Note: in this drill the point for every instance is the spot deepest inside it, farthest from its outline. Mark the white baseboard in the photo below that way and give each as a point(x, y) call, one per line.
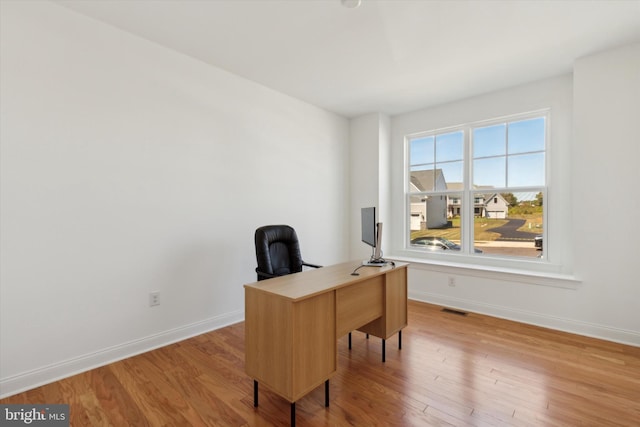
point(47, 374)
point(561, 324)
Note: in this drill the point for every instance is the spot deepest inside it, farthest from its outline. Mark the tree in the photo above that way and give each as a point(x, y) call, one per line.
point(510, 198)
point(539, 199)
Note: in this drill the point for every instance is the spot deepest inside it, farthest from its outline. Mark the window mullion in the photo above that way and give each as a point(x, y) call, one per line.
point(467, 196)
point(506, 157)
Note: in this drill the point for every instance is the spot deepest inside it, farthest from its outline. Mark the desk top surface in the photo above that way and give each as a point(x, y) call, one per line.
point(312, 282)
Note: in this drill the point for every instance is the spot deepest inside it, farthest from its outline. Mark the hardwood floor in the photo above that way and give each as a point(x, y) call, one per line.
point(455, 370)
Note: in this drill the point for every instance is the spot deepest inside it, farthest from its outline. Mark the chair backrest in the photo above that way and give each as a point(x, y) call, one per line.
point(278, 250)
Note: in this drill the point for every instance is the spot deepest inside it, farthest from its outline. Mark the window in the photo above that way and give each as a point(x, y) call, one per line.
point(479, 189)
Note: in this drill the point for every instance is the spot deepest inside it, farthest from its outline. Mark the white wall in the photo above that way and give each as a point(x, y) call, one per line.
point(605, 188)
point(369, 177)
point(128, 168)
point(594, 177)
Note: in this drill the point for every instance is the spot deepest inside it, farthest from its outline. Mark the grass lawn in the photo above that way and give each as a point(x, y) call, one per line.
point(482, 228)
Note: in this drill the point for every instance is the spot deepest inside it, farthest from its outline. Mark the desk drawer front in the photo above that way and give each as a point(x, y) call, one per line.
point(359, 304)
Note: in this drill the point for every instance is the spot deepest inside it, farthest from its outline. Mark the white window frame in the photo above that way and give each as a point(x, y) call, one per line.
point(468, 195)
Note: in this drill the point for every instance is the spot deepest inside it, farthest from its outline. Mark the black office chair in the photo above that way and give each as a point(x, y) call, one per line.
point(278, 252)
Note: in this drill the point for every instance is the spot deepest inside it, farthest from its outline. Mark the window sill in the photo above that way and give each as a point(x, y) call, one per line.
point(543, 278)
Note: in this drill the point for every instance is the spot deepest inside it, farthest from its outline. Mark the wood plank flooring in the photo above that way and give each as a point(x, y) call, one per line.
point(452, 370)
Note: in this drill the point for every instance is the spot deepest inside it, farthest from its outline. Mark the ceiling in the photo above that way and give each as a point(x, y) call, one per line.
point(388, 56)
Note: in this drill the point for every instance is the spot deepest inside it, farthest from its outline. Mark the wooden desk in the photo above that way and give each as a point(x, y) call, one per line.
point(292, 322)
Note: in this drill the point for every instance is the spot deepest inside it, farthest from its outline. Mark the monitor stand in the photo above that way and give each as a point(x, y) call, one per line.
point(375, 263)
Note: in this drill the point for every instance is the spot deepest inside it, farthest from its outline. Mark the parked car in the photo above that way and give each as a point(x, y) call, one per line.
point(438, 243)
point(537, 242)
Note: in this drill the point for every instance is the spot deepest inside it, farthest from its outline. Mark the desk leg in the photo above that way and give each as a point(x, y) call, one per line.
point(255, 393)
point(293, 414)
point(349, 340)
point(326, 393)
point(399, 345)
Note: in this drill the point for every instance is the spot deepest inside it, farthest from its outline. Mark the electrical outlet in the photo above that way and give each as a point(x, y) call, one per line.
point(451, 281)
point(154, 299)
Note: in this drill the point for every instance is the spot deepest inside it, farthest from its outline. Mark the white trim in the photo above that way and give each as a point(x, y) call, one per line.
point(544, 278)
point(592, 330)
point(47, 374)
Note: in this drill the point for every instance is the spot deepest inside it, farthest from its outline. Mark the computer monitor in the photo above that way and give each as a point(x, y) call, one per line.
point(372, 236)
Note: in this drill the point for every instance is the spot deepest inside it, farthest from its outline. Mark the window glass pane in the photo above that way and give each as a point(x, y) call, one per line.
point(421, 150)
point(490, 172)
point(490, 141)
point(526, 170)
point(449, 146)
point(510, 227)
point(418, 213)
point(435, 222)
point(424, 167)
point(526, 136)
point(452, 172)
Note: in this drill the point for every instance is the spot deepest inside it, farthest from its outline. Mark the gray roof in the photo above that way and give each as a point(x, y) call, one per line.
point(428, 180)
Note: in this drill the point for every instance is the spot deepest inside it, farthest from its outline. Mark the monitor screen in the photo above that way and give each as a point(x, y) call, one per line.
point(369, 226)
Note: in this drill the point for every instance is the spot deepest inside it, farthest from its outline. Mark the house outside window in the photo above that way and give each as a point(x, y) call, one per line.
point(480, 186)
